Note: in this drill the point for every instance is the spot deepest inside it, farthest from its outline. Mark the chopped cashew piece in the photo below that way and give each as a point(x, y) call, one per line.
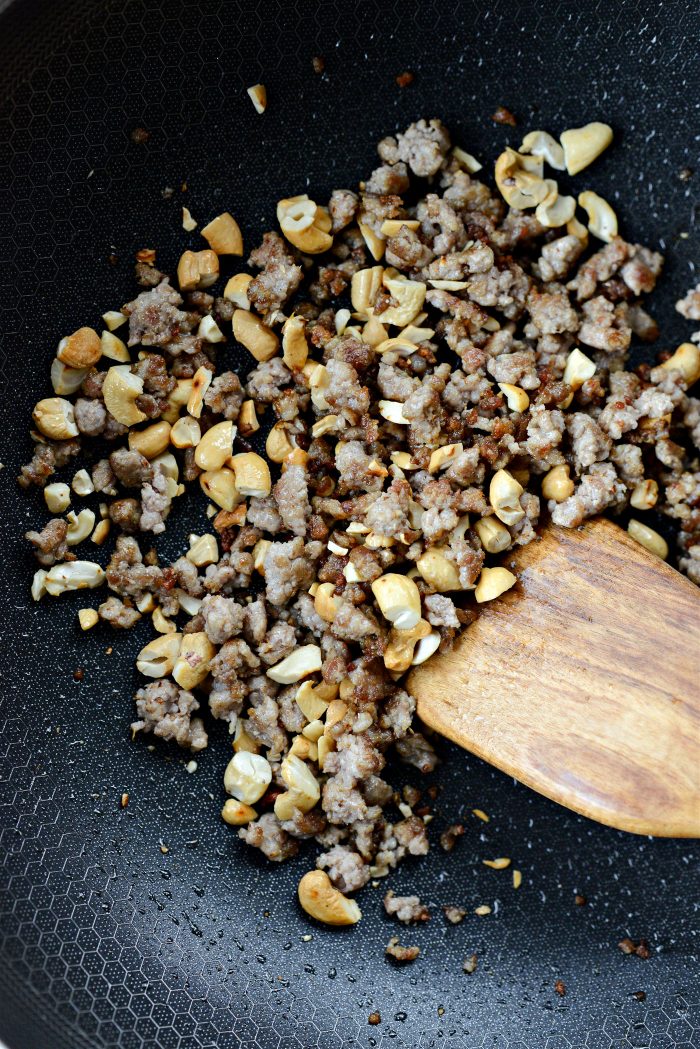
point(216, 446)
point(303, 661)
point(557, 484)
point(391, 227)
point(438, 571)
point(651, 540)
point(443, 457)
point(248, 419)
point(392, 411)
point(209, 330)
point(192, 664)
point(120, 389)
point(494, 536)
point(197, 269)
point(410, 296)
point(38, 588)
point(185, 433)
point(685, 360)
point(251, 332)
point(602, 220)
point(583, 144)
point(516, 398)
point(55, 418)
point(188, 223)
point(278, 445)
point(161, 623)
point(236, 290)
point(237, 813)
point(223, 235)
point(519, 179)
point(101, 531)
point(114, 319)
point(247, 776)
point(79, 526)
point(66, 380)
point(152, 441)
point(645, 495)
point(82, 349)
point(504, 496)
point(114, 348)
point(88, 618)
point(398, 654)
point(398, 598)
point(57, 497)
point(426, 647)
point(310, 702)
point(295, 349)
point(258, 96)
point(364, 288)
point(468, 162)
point(303, 791)
point(220, 487)
point(201, 381)
point(492, 583)
point(555, 211)
point(157, 658)
point(252, 474)
point(578, 369)
point(324, 602)
point(542, 144)
point(204, 550)
point(322, 901)
point(82, 483)
point(374, 241)
point(73, 575)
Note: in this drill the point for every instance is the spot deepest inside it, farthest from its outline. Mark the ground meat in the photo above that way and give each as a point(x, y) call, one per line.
point(588, 442)
point(50, 545)
point(47, 458)
point(90, 416)
point(155, 502)
point(417, 751)
point(388, 515)
point(280, 277)
point(440, 611)
point(280, 641)
point(641, 269)
point(351, 624)
point(287, 570)
point(406, 250)
point(599, 488)
point(130, 468)
point(389, 178)
point(558, 256)
point(166, 711)
point(422, 146)
point(454, 915)
point(346, 869)
point(154, 372)
point(268, 835)
point(103, 478)
point(225, 395)
point(291, 495)
point(550, 310)
point(155, 320)
point(342, 207)
point(604, 326)
point(263, 514)
point(265, 383)
point(255, 621)
point(405, 909)
point(598, 268)
point(400, 953)
point(127, 574)
point(222, 618)
point(353, 465)
point(544, 435)
point(689, 307)
point(344, 392)
point(118, 614)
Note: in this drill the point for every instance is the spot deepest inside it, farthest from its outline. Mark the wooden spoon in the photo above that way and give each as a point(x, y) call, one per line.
point(583, 681)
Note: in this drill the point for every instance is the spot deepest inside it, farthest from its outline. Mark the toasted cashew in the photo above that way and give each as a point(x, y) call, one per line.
point(583, 144)
point(157, 658)
point(192, 665)
point(322, 901)
point(55, 418)
point(223, 235)
point(120, 389)
point(82, 349)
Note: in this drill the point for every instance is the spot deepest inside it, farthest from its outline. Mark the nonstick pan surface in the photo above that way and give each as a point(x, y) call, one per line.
point(105, 941)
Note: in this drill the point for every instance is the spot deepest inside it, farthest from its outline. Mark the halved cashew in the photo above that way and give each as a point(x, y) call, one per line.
point(114, 348)
point(192, 664)
point(247, 776)
point(57, 497)
point(101, 531)
point(216, 446)
point(426, 647)
point(303, 791)
point(441, 458)
point(398, 654)
point(88, 618)
point(298, 212)
point(504, 496)
point(203, 550)
point(237, 813)
point(398, 598)
point(223, 235)
point(410, 296)
point(448, 285)
point(161, 623)
point(82, 349)
point(79, 526)
point(374, 241)
point(236, 290)
point(602, 220)
point(73, 575)
point(305, 660)
point(312, 240)
point(399, 344)
point(577, 229)
point(64, 379)
point(493, 535)
point(519, 179)
point(157, 658)
point(209, 330)
point(120, 390)
point(516, 398)
point(185, 433)
point(248, 418)
point(319, 380)
point(648, 538)
point(325, 425)
point(392, 411)
point(251, 332)
point(322, 901)
point(438, 571)
point(583, 144)
point(278, 445)
point(542, 144)
point(555, 211)
point(295, 349)
point(252, 474)
point(55, 418)
point(685, 360)
point(201, 381)
point(82, 483)
point(492, 583)
point(342, 319)
point(114, 319)
point(578, 369)
point(391, 227)
point(190, 605)
point(310, 701)
point(220, 487)
point(258, 96)
point(152, 441)
point(364, 288)
point(325, 603)
point(467, 161)
point(197, 269)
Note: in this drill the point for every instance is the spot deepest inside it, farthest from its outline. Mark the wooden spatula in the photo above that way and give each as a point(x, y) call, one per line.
point(583, 681)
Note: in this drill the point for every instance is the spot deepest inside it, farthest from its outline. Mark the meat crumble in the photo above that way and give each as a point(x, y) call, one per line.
point(486, 349)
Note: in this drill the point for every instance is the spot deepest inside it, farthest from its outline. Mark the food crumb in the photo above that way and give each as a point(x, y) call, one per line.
point(400, 953)
point(481, 815)
point(685, 174)
point(517, 878)
point(167, 192)
point(560, 988)
point(448, 838)
point(503, 116)
point(441, 1010)
point(454, 914)
point(373, 1019)
point(469, 965)
point(638, 947)
point(318, 63)
point(306, 937)
point(139, 136)
point(499, 864)
point(405, 78)
point(164, 848)
point(482, 909)
point(78, 674)
point(124, 800)
point(639, 996)
point(188, 223)
point(580, 900)
point(191, 767)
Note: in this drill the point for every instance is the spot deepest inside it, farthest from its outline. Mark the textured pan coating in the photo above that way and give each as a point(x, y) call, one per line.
point(106, 941)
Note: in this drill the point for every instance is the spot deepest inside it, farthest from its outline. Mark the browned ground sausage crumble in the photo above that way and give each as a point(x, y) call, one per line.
point(502, 301)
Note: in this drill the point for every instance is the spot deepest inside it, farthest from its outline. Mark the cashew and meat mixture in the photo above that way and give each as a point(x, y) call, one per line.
point(437, 374)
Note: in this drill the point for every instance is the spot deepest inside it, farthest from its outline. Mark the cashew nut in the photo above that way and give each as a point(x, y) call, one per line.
point(157, 658)
point(322, 901)
point(152, 441)
point(55, 418)
point(252, 474)
point(251, 332)
point(438, 571)
point(542, 144)
point(583, 144)
point(57, 497)
point(398, 598)
point(197, 269)
point(185, 433)
point(216, 446)
point(364, 288)
point(410, 296)
point(258, 96)
point(82, 349)
point(519, 179)
point(114, 348)
point(64, 379)
point(305, 660)
point(685, 360)
point(223, 235)
point(236, 290)
point(79, 526)
point(492, 583)
point(247, 776)
point(493, 535)
point(295, 349)
point(398, 654)
point(504, 496)
point(602, 220)
point(192, 664)
point(120, 390)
